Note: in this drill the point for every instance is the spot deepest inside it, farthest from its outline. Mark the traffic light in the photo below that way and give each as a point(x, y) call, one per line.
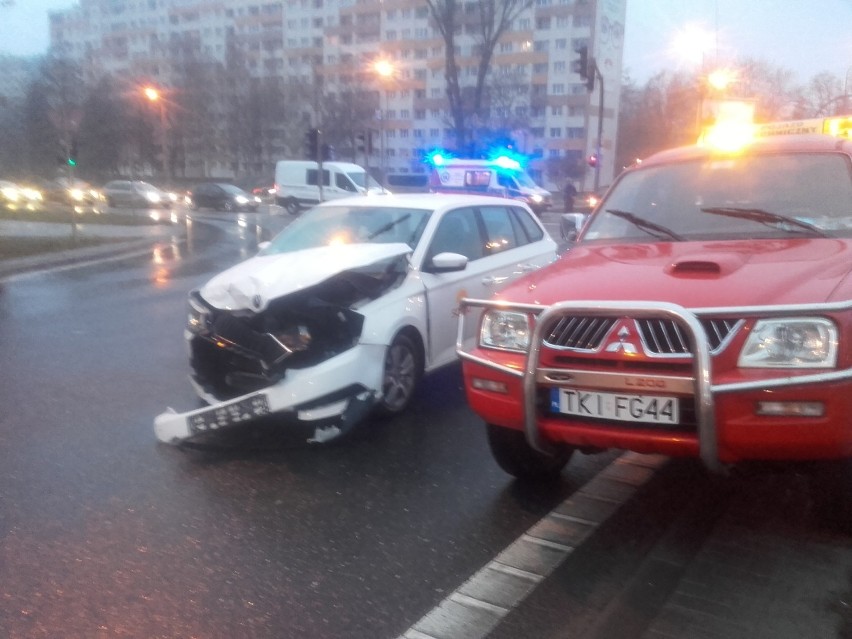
point(361, 142)
point(312, 137)
point(327, 152)
point(72, 154)
point(593, 160)
point(585, 67)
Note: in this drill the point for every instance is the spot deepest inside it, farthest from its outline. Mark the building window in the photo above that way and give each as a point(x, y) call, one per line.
point(555, 132)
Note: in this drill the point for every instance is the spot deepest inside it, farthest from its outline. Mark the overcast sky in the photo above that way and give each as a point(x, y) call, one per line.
point(801, 35)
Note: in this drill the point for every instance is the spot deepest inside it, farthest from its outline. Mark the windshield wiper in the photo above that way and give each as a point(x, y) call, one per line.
point(387, 227)
point(767, 218)
point(651, 228)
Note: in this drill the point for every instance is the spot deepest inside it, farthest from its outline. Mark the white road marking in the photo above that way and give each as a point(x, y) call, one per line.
point(476, 607)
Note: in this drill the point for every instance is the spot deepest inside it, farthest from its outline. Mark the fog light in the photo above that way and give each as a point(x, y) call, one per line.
point(791, 409)
point(489, 385)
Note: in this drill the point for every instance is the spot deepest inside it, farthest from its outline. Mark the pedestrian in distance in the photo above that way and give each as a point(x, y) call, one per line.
point(570, 192)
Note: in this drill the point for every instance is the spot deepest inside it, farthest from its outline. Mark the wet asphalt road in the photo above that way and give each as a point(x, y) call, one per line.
point(106, 533)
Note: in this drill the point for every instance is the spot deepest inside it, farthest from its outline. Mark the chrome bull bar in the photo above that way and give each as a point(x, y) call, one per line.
point(701, 380)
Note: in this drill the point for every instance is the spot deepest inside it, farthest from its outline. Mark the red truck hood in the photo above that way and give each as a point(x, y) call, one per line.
point(695, 274)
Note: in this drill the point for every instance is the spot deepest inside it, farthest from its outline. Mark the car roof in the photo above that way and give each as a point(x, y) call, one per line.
point(422, 200)
point(765, 145)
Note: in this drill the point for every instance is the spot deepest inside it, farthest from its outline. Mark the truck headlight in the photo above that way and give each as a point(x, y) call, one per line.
point(796, 342)
point(506, 330)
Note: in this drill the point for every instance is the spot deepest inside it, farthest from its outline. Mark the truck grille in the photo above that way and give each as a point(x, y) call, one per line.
point(659, 336)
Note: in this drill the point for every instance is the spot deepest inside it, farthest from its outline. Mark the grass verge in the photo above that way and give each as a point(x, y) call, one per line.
point(11, 248)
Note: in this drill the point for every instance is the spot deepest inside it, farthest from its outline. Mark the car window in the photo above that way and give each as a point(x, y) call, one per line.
point(531, 230)
point(458, 232)
point(499, 228)
point(344, 183)
point(312, 174)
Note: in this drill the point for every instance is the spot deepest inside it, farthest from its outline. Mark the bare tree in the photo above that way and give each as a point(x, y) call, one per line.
point(488, 20)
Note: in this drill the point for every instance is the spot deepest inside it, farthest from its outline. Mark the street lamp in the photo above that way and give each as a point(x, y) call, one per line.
point(154, 96)
point(385, 70)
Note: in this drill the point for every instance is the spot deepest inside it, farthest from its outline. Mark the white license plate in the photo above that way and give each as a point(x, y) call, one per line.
point(623, 407)
point(229, 414)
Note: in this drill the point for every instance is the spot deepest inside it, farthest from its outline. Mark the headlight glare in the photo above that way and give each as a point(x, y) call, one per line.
point(801, 342)
point(506, 330)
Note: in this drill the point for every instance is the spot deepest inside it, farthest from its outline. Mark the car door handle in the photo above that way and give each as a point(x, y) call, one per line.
point(491, 280)
point(526, 268)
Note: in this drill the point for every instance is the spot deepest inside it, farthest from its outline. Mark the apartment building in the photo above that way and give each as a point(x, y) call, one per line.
point(536, 94)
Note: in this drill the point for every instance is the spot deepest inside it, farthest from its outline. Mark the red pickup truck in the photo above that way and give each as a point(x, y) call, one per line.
point(705, 310)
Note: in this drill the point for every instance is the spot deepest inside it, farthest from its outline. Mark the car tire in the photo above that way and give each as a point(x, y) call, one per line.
point(292, 205)
point(403, 369)
point(513, 454)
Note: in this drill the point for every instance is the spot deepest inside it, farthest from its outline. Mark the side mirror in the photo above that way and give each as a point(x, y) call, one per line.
point(447, 263)
point(570, 225)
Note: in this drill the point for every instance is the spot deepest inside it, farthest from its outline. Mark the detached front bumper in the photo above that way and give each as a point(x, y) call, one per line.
point(332, 397)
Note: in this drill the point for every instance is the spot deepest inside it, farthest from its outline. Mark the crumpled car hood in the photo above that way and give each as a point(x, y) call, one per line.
point(252, 284)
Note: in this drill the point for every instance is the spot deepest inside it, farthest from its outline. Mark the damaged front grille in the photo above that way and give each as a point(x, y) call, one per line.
point(233, 353)
point(659, 336)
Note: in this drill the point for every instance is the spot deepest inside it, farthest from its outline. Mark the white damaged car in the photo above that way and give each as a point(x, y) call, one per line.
point(342, 312)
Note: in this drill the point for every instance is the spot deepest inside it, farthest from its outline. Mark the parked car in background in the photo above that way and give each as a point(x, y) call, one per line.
point(135, 193)
point(344, 310)
point(72, 191)
point(266, 192)
point(221, 196)
point(18, 196)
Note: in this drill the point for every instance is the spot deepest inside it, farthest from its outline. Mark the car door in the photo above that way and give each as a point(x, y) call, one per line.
point(500, 246)
point(207, 196)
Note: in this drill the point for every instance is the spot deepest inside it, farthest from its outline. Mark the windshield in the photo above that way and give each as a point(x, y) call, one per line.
point(524, 179)
point(762, 196)
point(233, 190)
point(329, 225)
point(358, 177)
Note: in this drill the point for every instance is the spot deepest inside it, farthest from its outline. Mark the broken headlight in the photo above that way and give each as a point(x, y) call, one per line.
point(198, 316)
point(293, 339)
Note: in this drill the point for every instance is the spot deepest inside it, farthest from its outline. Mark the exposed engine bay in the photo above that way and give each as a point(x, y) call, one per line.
point(234, 352)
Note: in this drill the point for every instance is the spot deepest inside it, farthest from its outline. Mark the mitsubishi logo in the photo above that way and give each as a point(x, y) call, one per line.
point(622, 345)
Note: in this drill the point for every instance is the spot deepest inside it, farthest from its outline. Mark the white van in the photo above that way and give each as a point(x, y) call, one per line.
point(501, 177)
point(297, 186)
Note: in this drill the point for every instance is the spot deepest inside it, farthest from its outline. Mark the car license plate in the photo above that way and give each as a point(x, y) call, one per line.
point(617, 406)
point(229, 414)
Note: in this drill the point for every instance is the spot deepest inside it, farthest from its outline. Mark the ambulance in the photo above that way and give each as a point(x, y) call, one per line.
point(501, 177)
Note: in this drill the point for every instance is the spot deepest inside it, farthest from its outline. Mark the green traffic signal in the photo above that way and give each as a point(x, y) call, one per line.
point(72, 162)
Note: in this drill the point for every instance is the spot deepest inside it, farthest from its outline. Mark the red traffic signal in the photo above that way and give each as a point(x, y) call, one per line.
point(593, 160)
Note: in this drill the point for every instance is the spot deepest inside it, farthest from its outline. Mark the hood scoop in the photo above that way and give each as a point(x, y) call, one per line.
point(700, 267)
point(707, 264)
